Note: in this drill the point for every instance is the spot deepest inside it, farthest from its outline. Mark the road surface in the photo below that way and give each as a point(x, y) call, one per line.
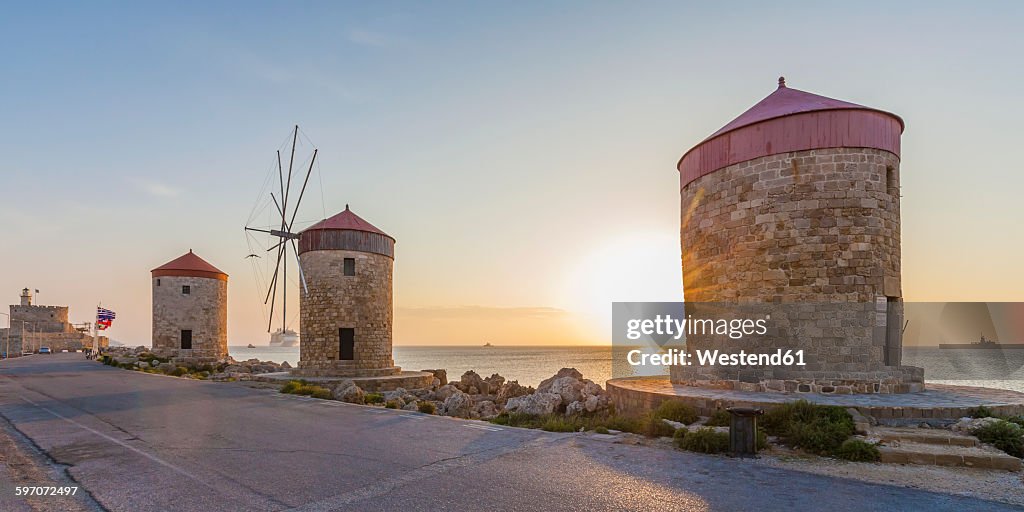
point(140, 442)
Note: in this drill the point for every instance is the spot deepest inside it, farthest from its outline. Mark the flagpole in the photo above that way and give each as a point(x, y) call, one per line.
point(96, 330)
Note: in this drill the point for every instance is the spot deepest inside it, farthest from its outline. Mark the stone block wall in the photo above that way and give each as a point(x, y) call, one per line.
point(333, 301)
point(810, 227)
point(204, 311)
point(41, 318)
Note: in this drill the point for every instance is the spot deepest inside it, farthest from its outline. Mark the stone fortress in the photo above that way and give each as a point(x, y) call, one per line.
point(33, 326)
point(797, 202)
point(190, 310)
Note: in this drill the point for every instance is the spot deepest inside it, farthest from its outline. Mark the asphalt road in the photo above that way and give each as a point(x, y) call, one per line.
point(140, 442)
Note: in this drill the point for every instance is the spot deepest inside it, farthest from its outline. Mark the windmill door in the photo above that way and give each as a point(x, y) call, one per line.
point(347, 337)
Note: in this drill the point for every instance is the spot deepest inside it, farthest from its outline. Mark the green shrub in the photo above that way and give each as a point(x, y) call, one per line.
point(426, 407)
point(676, 411)
point(519, 419)
point(1018, 420)
point(374, 398)
point(1007, 436)
point(819, 429)
point(321, 393)
point(721, 418)
point(624, 424)
point(555, 423)
point(291, 386)
point(601, 429)
point(761, 439)
point(179, 371)
point(705, 440)
point(857, 450)
point(391, 404)
point(653, 426)
point(678, 436)
point(983, 412)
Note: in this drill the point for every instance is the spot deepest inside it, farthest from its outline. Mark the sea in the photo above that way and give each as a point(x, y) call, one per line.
point(530, 365)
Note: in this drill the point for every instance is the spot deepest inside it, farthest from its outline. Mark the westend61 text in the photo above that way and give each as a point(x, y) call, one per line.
point(674, 356)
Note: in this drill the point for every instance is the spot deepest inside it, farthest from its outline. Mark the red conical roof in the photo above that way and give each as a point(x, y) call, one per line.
point(346, 220)
point(189, 265)
point(786, 101)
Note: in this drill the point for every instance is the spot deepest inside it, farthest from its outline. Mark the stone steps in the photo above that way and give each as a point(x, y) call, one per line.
point(940, 437)
point(926, 454)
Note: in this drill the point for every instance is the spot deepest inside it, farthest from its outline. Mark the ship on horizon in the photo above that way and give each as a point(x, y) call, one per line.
point(284, 338)
point(982, 343)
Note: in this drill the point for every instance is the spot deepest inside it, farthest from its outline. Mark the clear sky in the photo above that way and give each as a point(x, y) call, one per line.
point(523, 154)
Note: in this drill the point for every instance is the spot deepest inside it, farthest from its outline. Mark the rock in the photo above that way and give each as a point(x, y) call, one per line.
point(412, 406)
point(458, 404)
point(441, 375)
point(436, 383)
point(536, 404)
point(398, 393)
point(347, 391)
point(569, 388)
point(235, 368)
point(575, 408)
point(511, 390)
point(494, 382)
point(485, 410)
point(591, 388)
point(545, 385)
point(285, 366)
point(861, 424)
point(167, 367)
point(595, 403)
point(969, 425)
point(473, 384)
point(445, 391)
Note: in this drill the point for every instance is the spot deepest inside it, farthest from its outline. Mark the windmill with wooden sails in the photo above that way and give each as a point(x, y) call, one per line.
point(282, 236)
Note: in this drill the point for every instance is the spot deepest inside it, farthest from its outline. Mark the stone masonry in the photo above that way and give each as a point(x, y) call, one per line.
point(203, 311)
point(333, 301)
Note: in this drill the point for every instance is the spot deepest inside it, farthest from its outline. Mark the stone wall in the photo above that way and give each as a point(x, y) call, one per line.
point(57, 341)
point(810, 227)
point(41, 318)
point(204, 311)
point(334, 301)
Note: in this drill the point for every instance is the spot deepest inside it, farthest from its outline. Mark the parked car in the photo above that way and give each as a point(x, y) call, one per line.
point(44, 350)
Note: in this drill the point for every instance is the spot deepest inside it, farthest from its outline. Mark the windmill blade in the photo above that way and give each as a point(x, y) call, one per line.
point(273, 280)
point(302, 192)
point(298, 263)
point(280, 174)
point(291, 162)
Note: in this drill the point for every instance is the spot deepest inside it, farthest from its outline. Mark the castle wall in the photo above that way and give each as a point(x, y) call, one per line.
point(334, 301)
point(41, 318)
point(203, 311)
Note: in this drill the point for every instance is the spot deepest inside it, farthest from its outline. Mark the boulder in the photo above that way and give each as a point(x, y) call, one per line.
point(511, 390)
point(473, 384)
point(398, 393)
point(591, 388)
point(458, 404)
point(569, 388)
point(412, 406)
point(485, 410)
point(285, 366)
point(545, 385)
point(575, 408)
point(969, 425)
point(440, 375)
point(494, 382)
point(347, 391)
point(445, 391)
point(166, 367)
point(536, 404)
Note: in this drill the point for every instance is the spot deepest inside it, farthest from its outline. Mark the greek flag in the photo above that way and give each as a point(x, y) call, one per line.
point(104, 317)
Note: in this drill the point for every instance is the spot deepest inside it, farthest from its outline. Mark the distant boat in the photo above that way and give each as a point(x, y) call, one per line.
point(983, 343)
point(487, 345)
point(284, 338)
point(250, 346)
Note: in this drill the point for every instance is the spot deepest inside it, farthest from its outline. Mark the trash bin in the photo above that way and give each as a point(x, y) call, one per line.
point(743, 430)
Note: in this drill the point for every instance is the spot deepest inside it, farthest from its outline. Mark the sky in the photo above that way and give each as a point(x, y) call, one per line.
point(522, 154)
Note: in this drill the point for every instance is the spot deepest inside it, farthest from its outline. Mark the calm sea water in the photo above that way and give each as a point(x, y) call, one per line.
point(530, 365)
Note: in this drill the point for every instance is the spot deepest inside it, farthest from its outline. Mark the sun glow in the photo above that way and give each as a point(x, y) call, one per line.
point(640, 267)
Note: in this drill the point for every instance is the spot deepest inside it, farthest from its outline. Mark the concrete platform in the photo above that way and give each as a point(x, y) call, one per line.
point(405, 379)
point(938, 405)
